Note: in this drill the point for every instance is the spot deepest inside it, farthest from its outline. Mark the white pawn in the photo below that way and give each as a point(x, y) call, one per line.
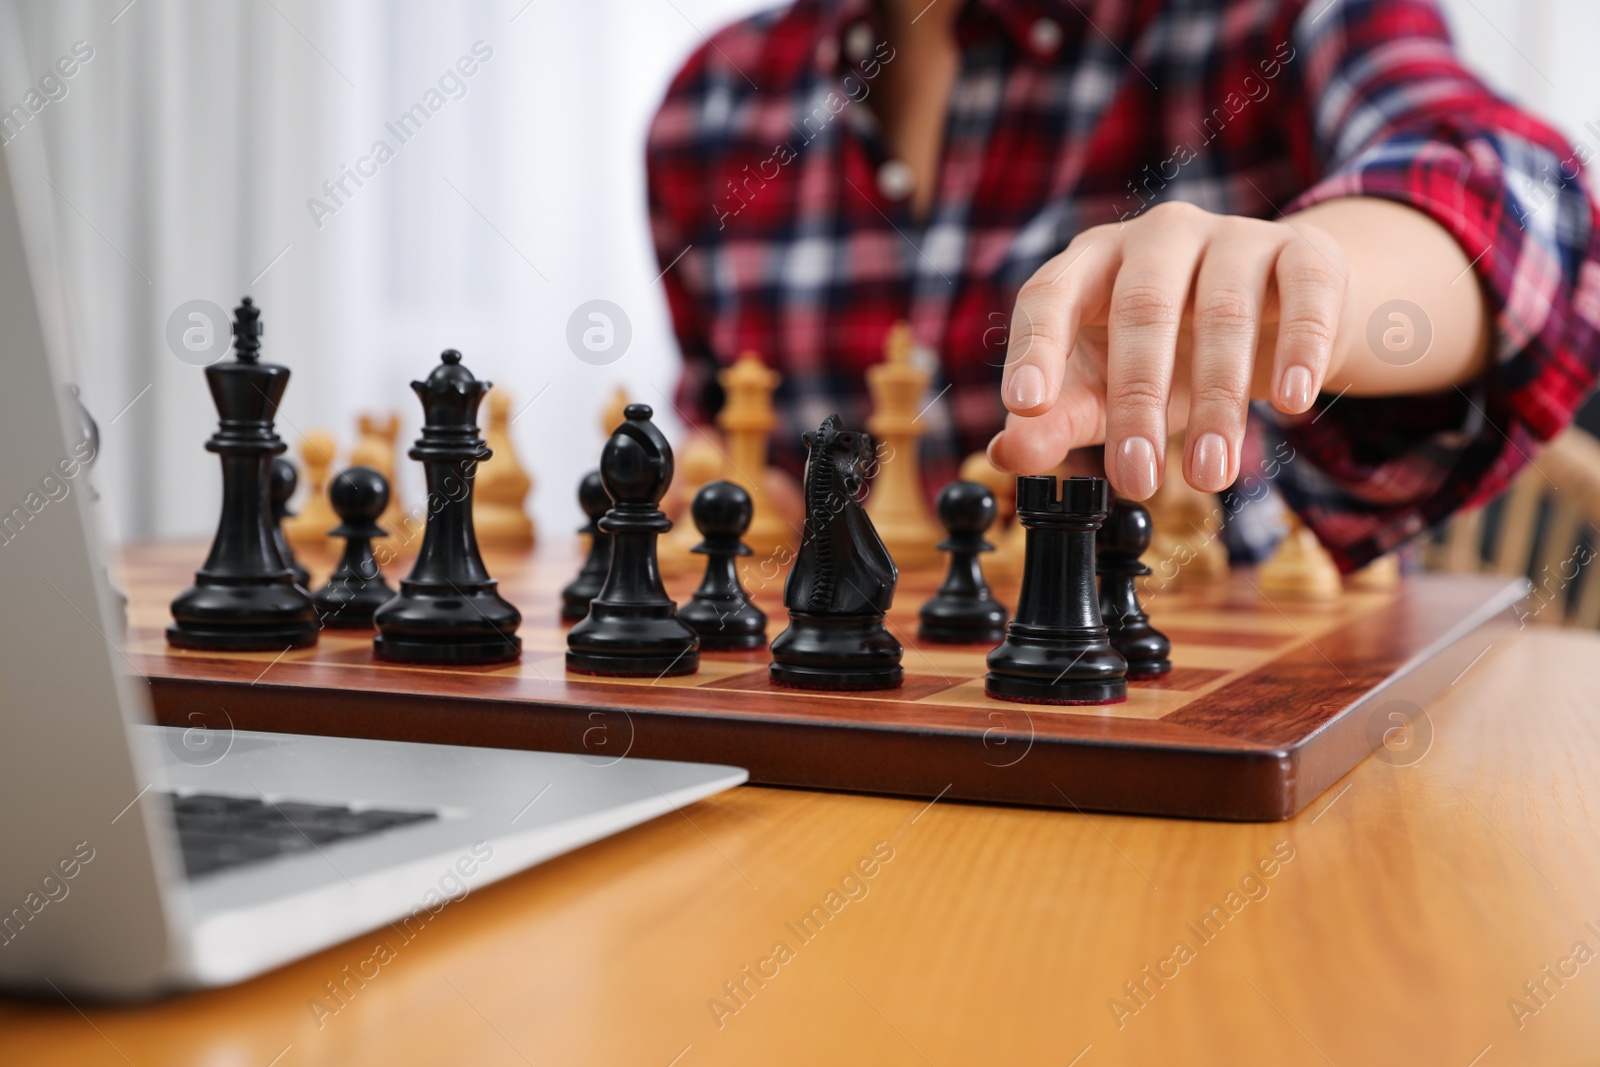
point(1300, 568)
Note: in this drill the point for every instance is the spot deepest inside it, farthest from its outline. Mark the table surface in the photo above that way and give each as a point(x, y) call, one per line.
point(1404, 912)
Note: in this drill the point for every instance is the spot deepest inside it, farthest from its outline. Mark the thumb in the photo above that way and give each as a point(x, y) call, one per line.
point(1038, 444)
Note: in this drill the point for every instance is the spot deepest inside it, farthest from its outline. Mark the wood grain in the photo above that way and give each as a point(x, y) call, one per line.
point(1420, 897)
point(1268, 704)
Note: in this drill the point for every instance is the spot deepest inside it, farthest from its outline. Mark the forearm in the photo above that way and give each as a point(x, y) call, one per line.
point(1397, 253)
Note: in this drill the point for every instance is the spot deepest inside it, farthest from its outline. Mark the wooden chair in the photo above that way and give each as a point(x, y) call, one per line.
point(1545, 527)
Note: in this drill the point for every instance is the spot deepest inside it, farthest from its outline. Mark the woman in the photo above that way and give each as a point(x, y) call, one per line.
point(1115, 219)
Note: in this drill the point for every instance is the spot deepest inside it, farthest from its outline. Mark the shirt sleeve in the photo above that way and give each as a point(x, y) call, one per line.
point(1386, 109)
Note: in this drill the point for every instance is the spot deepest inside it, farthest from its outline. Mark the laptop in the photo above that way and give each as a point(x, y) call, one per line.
point(137, 859)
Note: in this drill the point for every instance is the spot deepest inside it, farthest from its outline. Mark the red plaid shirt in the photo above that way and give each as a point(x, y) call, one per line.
point(782, 224)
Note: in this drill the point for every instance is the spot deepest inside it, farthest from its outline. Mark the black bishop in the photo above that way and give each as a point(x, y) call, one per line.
point(633, 629)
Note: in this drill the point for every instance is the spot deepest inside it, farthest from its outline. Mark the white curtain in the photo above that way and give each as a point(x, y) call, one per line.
point(1539, 53)
point(182, 153)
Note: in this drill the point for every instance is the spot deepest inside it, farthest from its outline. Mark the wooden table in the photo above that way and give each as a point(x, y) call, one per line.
point(1421, 895)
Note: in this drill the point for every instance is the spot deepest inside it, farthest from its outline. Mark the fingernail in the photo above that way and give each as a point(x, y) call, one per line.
point(1027, 387)
point(1136, 468)
point(1210, 462)
point(1296, 388)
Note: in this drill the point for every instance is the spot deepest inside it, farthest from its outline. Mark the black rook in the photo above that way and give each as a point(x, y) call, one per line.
point(1057, 650)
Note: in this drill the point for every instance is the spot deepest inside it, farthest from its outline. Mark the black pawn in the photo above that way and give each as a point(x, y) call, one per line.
point(633, 629)
point(448, 609)
point(595, 501)
point(1057, 650)
point(963, 611)
point(720, 610)
point(1119, 544)
point(843, 579)
point(356, 588)
point(284, 481)
point(245, 597)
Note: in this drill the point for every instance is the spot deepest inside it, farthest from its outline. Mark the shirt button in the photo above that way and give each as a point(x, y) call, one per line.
point(1045, 36)
point(858, 42)
point(895, 180)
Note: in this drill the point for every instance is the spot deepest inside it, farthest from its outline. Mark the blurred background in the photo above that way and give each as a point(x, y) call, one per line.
point(195, 155)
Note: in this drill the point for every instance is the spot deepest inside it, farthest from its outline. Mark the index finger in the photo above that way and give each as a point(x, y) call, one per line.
point(1050, 307)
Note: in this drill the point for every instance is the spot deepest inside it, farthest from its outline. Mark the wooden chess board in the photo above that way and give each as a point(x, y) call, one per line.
point(1268, 703)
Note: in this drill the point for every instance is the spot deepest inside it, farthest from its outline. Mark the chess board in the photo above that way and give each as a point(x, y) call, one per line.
point(1268, 703)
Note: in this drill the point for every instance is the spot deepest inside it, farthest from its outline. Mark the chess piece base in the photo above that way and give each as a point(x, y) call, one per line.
point(243, 618)
point(720, 610)
point(350, 606)
point(955, 634)
point(221, 638)
point(627, 665)
point(1020, 691)
point(731, 642)
point(632, 641)
point(421, 627)
point(1079, 668)
point(836, 677)
point(1144, 647)
point(725, 623)
point(462, 653)
point(953, 620)
point(836, 652)
point(346, 621)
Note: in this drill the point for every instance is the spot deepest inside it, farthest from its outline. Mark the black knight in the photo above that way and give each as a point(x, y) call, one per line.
point(843, 579)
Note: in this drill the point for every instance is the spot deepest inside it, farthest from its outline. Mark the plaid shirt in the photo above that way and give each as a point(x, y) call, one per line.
point(783, 226)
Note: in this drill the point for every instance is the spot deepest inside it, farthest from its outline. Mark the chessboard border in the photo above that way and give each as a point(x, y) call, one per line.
point(1079, 763)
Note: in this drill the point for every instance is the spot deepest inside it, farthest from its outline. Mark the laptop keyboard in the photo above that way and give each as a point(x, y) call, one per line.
point(220, 832)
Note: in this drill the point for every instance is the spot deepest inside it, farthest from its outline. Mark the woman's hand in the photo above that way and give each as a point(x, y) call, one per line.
point(1175, 319)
